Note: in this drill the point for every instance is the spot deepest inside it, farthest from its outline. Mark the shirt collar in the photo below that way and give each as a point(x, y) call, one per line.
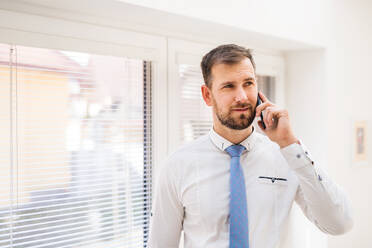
point(223, 143)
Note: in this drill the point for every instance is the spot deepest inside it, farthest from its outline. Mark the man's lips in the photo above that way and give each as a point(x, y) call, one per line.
point(240, 109)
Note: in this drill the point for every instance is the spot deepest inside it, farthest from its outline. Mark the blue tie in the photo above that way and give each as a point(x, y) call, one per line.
point(238, 200)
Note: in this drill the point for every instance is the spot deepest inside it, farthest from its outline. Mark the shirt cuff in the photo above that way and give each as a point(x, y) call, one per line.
point(297, 156)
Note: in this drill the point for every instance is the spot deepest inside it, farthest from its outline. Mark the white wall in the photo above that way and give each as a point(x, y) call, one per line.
point(349, 54)
point(293, 19)
point(306, 99)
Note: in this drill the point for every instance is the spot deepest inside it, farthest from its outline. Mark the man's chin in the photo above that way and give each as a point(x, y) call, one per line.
point(239, 128)
point(236, 122)
point(239, 125)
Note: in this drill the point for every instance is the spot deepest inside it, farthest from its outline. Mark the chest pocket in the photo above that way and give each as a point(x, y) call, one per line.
point(274, 189)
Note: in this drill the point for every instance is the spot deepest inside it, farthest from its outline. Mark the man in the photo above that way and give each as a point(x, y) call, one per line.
point(235, 187)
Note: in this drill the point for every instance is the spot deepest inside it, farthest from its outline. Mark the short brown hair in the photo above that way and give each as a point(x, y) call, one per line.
point(224, 54)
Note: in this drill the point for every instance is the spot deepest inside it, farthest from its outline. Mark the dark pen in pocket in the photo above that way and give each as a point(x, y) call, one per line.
point(273, 179)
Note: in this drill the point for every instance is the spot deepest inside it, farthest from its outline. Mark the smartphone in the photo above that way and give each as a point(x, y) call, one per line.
point(259, 101)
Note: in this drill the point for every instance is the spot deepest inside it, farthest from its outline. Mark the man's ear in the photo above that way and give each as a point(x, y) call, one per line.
point(207, 94)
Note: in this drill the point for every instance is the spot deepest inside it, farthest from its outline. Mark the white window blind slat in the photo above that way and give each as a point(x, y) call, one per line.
point(83, 146)
point(79, 194)
point(97, 193)
point(86, 160)
point(79, 210)
point(65, 206)
point(71, 219)
point(76, 238)
point(87, 172)
point(57, 186)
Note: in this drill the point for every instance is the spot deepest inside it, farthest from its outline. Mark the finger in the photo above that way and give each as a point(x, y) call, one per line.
point(268, 116)
point(263, 97)
point(271, 115)
point(262, 107)
point(275, 115)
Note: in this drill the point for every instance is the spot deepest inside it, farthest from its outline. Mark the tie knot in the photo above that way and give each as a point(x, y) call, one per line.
point(235, 150)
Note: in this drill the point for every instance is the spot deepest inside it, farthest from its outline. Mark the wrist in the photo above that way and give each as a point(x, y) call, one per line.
point(287, 142)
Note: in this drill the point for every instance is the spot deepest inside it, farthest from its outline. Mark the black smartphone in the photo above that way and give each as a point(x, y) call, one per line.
point(259, 101)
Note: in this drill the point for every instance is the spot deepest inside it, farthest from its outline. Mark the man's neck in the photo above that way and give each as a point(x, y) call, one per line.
point(232, 135)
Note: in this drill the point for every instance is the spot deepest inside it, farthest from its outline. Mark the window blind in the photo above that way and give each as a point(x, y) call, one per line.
point(75, 149)
point(196, 117)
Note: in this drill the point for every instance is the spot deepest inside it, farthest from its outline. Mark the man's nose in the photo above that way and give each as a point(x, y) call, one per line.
point(240, 95)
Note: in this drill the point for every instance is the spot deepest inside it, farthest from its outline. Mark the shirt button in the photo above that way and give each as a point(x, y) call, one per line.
point(298, 156)
point(306, 153)
point(320, 178)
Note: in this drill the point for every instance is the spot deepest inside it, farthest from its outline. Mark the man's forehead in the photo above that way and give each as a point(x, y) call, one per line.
point(241, 69)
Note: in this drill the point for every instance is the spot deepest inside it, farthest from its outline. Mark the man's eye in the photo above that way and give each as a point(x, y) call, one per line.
point(228, 86)
point(249, 83)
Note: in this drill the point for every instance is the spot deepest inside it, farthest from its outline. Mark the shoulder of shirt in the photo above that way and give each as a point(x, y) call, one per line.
point(187, 153)
point(263, 140)
point(192, 147)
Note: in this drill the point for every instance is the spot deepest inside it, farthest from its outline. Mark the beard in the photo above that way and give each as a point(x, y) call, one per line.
point(243, 121)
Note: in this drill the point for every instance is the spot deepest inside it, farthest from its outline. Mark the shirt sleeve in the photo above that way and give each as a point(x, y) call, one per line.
point(167, 212)
point(323, 202)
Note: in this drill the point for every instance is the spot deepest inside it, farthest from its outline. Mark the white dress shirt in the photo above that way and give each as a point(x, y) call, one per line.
point(192, 193)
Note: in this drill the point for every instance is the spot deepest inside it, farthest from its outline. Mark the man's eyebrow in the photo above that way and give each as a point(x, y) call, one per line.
point(232, 82)
point(249, 79)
